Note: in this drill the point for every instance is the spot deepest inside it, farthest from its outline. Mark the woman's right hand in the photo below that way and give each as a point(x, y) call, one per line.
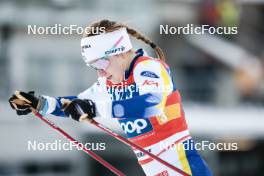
point(23, 102)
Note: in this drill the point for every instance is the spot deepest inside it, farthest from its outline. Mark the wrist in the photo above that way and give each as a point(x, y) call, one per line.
point(42, 106)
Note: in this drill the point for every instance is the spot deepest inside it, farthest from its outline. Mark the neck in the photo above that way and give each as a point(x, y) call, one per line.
point(129, 58)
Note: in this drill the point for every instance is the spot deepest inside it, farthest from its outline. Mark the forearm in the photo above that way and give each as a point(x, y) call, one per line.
point(53, 105)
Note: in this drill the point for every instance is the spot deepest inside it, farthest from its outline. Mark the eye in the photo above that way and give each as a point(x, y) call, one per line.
point(100, 64)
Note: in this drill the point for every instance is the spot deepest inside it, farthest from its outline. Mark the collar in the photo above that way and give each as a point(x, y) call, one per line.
point(139, 53)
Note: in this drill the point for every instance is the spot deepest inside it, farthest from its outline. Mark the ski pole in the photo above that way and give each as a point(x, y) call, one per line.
point(92, 154)
point(66, 135)
point(131, 144)
point(83, 117)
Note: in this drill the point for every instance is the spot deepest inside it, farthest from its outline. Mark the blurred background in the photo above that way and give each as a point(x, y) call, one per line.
point(220, 78)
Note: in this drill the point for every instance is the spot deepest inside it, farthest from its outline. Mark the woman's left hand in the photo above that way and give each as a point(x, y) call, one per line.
point(80, 110)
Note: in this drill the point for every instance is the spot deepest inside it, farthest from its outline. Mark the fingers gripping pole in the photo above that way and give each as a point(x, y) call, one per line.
point(92, 154)
point(124, 140)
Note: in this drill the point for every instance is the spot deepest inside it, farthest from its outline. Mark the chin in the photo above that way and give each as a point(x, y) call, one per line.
point(116, 81)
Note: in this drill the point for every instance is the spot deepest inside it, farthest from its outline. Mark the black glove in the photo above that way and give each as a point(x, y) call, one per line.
point(80, 109)
point(22, 102)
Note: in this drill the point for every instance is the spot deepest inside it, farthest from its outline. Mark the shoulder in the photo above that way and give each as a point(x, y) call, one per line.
point(149, 67)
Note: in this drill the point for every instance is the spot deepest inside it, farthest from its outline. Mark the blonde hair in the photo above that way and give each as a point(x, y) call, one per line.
point(111, 26)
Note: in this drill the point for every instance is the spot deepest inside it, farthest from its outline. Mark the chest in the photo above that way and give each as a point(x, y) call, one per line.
point(122, 91)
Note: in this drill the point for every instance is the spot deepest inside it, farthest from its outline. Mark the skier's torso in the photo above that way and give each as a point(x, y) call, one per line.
point(154, 132)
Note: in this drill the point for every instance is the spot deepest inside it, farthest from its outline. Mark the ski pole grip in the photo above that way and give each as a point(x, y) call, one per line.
point(65, 104)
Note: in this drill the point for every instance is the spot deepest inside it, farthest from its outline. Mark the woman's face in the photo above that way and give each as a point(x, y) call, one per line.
point(115, 71)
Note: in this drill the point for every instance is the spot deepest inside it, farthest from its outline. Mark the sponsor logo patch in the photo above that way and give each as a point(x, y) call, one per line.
point(149, 83)
point(111, 51)
point(149, 74)
point(135, 127)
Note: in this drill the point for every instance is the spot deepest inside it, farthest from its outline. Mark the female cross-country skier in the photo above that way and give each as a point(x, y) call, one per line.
point(135, 89)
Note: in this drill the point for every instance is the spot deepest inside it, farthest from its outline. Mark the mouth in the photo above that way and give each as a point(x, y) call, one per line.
point(109, 77)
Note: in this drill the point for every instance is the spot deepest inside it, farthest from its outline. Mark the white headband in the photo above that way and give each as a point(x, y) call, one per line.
point(103, 45)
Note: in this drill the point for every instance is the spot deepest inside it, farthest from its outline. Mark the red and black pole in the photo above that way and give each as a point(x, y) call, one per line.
point(89, 152)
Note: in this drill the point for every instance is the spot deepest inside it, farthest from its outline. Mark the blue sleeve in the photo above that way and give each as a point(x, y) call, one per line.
point(58, 111)
point(143, 106)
